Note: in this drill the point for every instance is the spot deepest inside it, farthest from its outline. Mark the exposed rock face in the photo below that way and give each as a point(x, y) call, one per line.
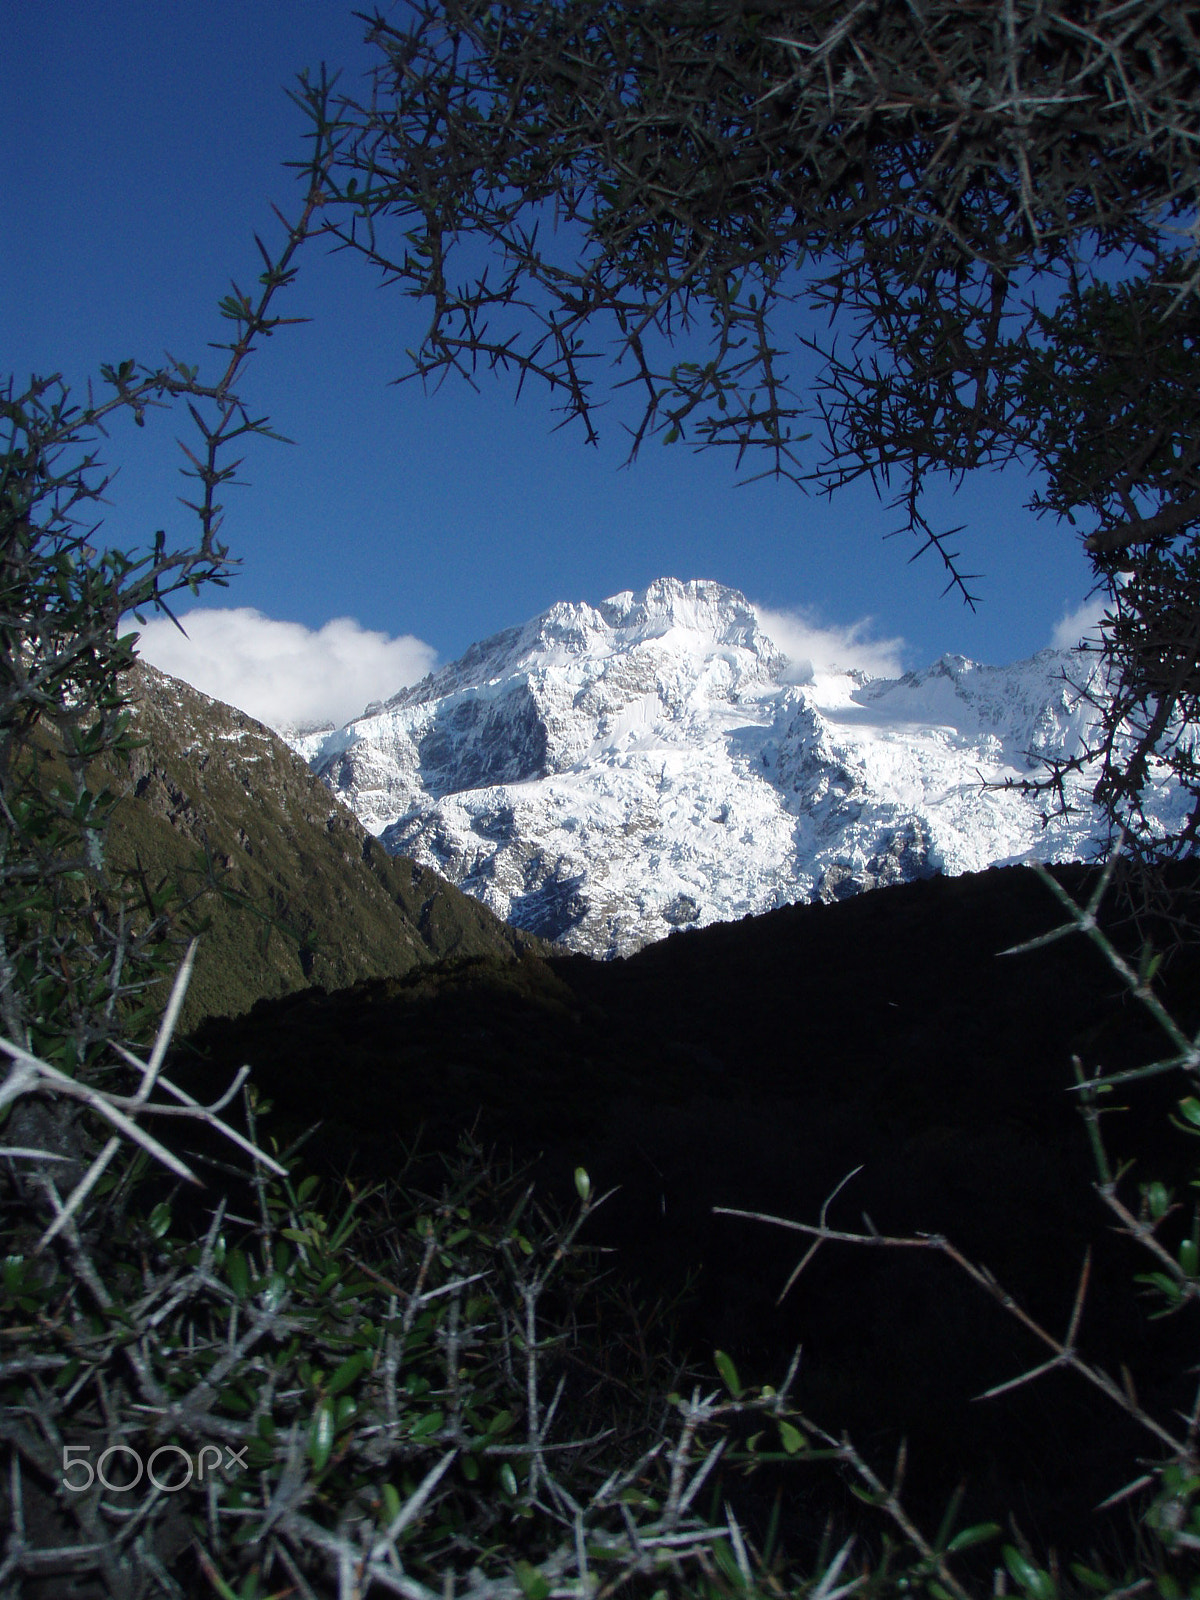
point(605, 774)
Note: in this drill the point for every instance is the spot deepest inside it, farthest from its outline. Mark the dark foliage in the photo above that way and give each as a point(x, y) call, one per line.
point(753, 1066)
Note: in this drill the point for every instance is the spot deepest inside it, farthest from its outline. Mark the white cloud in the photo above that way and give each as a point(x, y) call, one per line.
point(282, 672)
point(1073, 625)
point(811, 648)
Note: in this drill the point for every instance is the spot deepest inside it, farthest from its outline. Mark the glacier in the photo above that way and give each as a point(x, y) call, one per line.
point(606, 774)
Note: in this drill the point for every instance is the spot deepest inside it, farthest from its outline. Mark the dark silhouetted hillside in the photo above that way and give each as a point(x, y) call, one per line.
point(754, 1065)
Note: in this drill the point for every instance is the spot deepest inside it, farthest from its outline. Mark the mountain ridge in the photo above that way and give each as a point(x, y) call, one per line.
point(603, 774)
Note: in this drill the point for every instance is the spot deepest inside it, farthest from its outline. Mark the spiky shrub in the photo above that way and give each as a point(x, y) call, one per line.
point(404, 1393)
point(84, 947)
point(80, 942)
point(1164, 1486)
point(287, 1407)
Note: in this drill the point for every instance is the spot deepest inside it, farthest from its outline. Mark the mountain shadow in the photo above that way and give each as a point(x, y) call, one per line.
point(753, 1066)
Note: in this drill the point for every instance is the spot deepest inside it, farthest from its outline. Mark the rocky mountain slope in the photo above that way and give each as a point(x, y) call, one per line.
point(605, 774)
point(214, 798)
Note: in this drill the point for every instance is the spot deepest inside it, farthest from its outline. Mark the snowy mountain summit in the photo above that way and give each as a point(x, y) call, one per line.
point(605, 774)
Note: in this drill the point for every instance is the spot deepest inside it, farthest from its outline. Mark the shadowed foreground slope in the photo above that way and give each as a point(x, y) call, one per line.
point(753, 1066)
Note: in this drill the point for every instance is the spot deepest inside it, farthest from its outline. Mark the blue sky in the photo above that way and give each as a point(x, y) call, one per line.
point(142, 147)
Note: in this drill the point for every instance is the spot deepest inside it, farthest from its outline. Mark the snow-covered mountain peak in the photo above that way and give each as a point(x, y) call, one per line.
point(670, 609)
point(605, 773)
point(690, 621)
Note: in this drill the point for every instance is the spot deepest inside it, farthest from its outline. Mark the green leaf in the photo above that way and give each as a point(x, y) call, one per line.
point(260, 1455)
point(237, 1273)
point(508, 1479)
point(1162, 1282)
point(727, 1561)
point(1158, 1198)
point(1189, 1110)
point(64, 1378)
point(729, 1373)
point(349, 1370)
point(793, 1439)
point(978, 1534)
point(159, 1220)
point(233, 1399)
point(1035, 1582)
point(583, 1184)
point(273, 1291)
point(321, 1435)
point(1091, 1579)
point(533, 1584)
point(869, 1497)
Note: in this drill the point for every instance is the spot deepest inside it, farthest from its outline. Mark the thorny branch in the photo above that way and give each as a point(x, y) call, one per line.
point(650, 209)
point(1178, 1281)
